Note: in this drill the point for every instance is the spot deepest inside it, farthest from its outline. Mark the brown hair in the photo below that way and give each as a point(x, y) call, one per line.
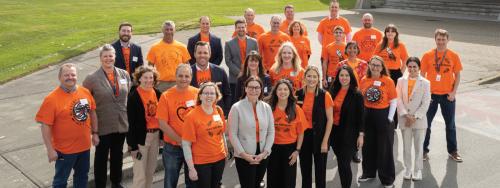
point(384, 71)
point(125, 24)
point(239, 21)
point(441, 32)
point(139, 71)
point(251, 79)
point(302, 27)
point(218, 96)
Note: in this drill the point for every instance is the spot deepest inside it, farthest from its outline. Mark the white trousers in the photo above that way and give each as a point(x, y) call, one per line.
point(416, 136)
point(144, 169)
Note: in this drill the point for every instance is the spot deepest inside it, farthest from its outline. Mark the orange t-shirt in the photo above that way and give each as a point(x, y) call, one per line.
point(441, 82)
point(165, 57)
point(326, 25)
point(150, 103)
point(253, 30)
point(243, 50)
point(257, 132)
point(68, 116)
point(367, 40)
point(269, 44)
point(204, 37)
point(126, 57)
point(287, 132)
point(411, 84)
point(203, 76)
point(307, 106)
point(359, 66)
point(284, 27)
point(337, 105)
point(206, 134)
point(295, 76)
point(113, 82)
point(333, 54)
point(378, 93)
point(400, 55)
point(173, 107)
point(303, 46)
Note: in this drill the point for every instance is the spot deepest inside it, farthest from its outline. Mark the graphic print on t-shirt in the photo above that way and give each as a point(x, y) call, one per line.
point(80, 109)
point(151, 105)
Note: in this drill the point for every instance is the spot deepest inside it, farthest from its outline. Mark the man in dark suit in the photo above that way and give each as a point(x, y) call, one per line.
point(128, 55)
point(204, 71)
point(206, 36)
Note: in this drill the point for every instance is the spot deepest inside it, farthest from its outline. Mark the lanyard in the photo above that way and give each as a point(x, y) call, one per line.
point(439, 61)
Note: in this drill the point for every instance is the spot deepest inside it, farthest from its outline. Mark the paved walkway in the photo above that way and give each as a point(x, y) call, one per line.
point(23, 161)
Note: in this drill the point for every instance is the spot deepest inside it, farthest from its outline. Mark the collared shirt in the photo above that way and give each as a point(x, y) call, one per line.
point(125, 45)
point(68, 90)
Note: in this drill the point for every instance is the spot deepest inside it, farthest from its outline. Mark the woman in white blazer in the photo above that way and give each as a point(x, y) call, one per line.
point(413, 101)
point(251, 132)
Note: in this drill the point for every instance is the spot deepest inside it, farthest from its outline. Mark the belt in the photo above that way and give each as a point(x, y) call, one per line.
point(152, 130)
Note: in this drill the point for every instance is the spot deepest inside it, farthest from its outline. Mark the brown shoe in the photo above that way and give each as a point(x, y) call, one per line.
point(426, 156)
point(456, 157)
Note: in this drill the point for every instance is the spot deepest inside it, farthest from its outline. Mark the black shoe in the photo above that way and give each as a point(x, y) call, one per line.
point(117, 185)
point(356, 158)
point(364, 178)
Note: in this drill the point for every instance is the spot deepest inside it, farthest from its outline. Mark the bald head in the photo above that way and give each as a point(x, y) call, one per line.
point(249, 15)
point(367, 20)
point(275, 23)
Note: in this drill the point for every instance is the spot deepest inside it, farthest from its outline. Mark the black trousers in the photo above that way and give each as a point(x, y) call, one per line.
point(395, 75)
point(109, 145)
point(210, 175)
point(279, 173)
point(307, 155)
point(377, 150)
point(251, 175)
point(345, 152)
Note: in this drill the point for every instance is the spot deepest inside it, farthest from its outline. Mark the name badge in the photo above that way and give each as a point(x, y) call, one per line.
point(265, 89)
point(329, 79)
point(293, 73)
point(134, 58)
point(190, 103)
point(373, 37)
point(218, 83)
point(438, 77)
point(123, 81)
point(377, 83)
point(84, 101)
point(300, 102)
point(217, 117)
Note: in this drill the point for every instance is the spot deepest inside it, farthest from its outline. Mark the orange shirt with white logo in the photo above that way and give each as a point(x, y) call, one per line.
point(442, 81)
point(295, 76)
point(378, 93)
point(400, 54)
point(303, 46)
point(173, 107)
point(333, 54)
point(269, 44)
point(337, 105)
point(367, 40)
point(287, 132)
point(206, 134)
point(150, 103)
point(165, 57)
point(68, 116)
point(307, 106)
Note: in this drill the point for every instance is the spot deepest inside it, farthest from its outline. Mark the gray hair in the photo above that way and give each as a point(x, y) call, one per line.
point(106, 48)
point(65, 65)
point(168, 23)
point(183, 66)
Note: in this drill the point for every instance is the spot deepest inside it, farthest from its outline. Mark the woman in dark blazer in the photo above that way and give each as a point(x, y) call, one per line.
point(144, 135)
point(347, 133)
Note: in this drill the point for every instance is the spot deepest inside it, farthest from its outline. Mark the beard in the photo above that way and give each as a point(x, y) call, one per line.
point(125, 38)
point(367, 25)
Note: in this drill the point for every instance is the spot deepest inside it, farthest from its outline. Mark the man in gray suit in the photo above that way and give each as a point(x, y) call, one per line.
point(235, 52)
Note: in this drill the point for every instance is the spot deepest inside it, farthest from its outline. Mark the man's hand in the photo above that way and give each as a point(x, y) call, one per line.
point(52, 155)
point(95, 139)
point(193, 175)
point(451, 96)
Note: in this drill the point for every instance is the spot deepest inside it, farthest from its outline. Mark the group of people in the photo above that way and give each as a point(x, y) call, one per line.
point(279, 109)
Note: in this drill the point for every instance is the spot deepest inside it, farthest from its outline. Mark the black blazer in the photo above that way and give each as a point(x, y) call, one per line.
point(344, 136)
point(136, 119)
point(219, 77)
point(215, 47)
point(135, 51)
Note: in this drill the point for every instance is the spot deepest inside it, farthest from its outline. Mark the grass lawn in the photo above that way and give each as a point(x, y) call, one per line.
point(38, 33)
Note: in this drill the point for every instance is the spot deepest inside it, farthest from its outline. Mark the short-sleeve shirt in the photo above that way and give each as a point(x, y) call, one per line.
point(400, 54)
point(441, 82)
point(287, 132)
point(326, 25)
point(309, 103)
point(359, 66)
point(68, 116)
point(378, 93)
point(206, 134)
point(150, 103)
point(166, 57)
point(303, 46)
point(333, 54)
point(295, 76)
point(173, 107)
point(367, 40)
point(269, 44)
point(284, 27)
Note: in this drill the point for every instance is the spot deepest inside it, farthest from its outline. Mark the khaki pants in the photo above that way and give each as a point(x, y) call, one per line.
point(164, 85)
point(144, 169)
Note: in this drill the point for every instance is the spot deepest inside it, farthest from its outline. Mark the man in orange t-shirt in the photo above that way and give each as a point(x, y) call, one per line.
point(174, 104)
point(333, 55)
point(289, 18)
point(367, 38)
point(166, 54)
point(326, 25)
point(67, 117)
point(270, 42)
point(253, 29)
point(442, 67)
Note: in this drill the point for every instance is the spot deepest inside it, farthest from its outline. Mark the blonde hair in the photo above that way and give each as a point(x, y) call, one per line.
point(278, 62)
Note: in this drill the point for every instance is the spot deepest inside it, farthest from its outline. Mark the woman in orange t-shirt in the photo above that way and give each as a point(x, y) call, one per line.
point(380, 104)
point(300, 41)
point(393, 51)
point(287, 66)
point(348, 127)
point(203, 141)
point(358, 65)
point(144, 136)
point(289, 120)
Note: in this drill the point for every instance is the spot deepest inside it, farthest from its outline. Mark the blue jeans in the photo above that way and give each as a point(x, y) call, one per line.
point(173, 159)
point(448, 112)
point(79, 162)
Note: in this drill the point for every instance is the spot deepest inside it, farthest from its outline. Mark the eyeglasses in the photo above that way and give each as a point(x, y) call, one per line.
point(209, 93)
point(255, 88)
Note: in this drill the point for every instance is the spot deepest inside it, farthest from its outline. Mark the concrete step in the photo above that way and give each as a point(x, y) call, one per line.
point(467, 8)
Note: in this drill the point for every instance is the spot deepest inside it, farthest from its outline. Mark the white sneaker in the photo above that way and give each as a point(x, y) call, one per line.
point(417, 176)
point(389, 186)
point(407, 175)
